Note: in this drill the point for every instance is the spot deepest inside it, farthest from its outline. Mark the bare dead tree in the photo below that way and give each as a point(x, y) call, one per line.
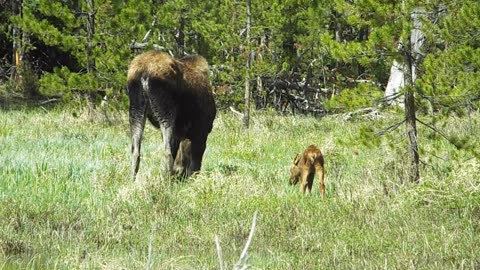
point(16, 10)
point(246, 116)
point(410, 109)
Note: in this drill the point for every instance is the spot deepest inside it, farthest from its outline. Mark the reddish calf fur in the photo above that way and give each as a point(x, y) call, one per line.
point(184, 159)
point(304, 168)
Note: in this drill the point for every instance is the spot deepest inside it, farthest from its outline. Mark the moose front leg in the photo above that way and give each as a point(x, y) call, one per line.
point(320, 171)
point(198, 149)
point(303, 182)
point(171, 146)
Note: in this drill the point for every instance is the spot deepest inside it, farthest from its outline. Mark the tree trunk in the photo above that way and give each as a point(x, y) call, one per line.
point(180, 35)
point(246, 115)
point(90, 34)
point(412, 56)
point(395, 83)
point(410, 117)
point(396, 79)
point(16, 10)
point(91, 67)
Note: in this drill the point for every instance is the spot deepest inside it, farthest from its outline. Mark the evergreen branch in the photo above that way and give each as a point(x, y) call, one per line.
point(443, 135)
point(435, 130)
point(389, 98)
point(434, 156)
point(391, 128)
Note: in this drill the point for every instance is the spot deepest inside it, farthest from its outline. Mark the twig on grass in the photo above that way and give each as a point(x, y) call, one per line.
point(390, 128)
point(236, 112)
point(243, 257)
point(150, 247)
point(436, 130)
point(219, 252)
point(242, 261)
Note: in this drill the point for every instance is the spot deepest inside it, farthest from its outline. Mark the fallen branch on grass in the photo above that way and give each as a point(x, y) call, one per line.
point(150, 247)
point(219, 252)
point(243, 257)
point(242, 261)
point(236, 112)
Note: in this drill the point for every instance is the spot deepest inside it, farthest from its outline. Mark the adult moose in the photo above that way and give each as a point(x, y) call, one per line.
point(174, 95)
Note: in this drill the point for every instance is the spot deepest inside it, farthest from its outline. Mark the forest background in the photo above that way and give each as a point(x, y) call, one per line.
point(307, 56)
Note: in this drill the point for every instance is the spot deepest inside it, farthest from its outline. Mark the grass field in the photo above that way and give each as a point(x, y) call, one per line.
point(67, 200)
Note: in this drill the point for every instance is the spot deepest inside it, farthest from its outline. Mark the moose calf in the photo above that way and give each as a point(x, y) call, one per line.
point(183, 159)
point(304, 168)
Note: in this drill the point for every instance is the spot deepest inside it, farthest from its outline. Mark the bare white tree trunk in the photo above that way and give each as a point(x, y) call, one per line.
point(397, 71)
point(395, 83)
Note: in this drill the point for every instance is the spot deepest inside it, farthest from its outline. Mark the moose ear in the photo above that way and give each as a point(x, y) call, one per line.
point(296, 159)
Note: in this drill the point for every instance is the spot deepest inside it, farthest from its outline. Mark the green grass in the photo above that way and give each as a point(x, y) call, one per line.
point(67, 200)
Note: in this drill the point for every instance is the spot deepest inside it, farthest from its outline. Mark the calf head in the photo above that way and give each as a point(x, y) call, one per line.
point(183, 160)
point(295, 170)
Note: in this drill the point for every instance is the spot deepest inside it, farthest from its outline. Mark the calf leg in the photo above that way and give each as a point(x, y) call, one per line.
point(183, 159)
point(303, 181)
point(321, 175)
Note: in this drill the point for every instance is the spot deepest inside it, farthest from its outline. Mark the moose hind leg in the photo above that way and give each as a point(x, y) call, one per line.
point(137, 125)
point(303, 181)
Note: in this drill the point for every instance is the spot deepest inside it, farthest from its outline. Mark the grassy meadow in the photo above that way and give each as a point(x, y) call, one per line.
point(67, 200)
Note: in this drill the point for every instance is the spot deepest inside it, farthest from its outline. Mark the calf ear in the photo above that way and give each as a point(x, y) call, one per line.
point(296, 159)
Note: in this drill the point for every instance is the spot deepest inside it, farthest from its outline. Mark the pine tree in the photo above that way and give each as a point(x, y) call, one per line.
point(449, 70)
point(450, 80)
point(94, 34)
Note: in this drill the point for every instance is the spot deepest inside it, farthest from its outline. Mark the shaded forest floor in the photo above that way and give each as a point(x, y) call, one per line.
point(67, 200)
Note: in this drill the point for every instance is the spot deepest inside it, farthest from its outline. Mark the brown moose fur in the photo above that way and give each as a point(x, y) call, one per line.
point(175, 95)
point(304, 168)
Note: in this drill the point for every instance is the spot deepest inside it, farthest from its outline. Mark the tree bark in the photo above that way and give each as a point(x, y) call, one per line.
point(16, 10)
point(412, 56)
point(410, 116)
point(180, 37)
point(396, 79)
point(246, 115)
point(90, 34)
point(91, 66)
point(395, 83)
